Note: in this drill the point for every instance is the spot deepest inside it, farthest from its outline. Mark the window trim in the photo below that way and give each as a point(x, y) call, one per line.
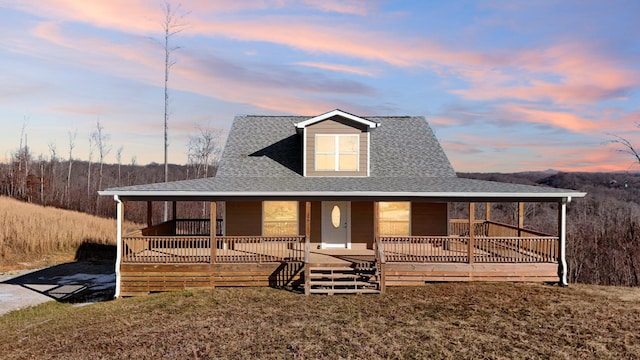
point(337, 152)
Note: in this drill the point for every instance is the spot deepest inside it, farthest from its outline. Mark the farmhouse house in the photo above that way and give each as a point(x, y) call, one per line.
point(335, 203)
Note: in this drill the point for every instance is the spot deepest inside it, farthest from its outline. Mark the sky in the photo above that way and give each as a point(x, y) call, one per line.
point(506, 85)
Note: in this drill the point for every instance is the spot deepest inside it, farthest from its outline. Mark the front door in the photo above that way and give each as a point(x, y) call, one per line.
point(335, 224)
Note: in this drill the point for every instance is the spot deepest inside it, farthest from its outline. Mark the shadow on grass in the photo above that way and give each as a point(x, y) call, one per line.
point(90, 278)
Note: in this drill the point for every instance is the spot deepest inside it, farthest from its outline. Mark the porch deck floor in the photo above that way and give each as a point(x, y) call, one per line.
point(340, 257)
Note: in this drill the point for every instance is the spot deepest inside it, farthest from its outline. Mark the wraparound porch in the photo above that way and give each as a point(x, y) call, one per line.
point(178, 254)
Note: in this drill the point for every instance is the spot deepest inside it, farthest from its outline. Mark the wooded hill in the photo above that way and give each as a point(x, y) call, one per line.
point(603, 229)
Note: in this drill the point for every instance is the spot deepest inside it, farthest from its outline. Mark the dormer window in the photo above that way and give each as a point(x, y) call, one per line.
point(336, 144)
point(336, 152)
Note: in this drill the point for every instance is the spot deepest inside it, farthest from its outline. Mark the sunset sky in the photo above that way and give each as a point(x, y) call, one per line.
point(506, 85)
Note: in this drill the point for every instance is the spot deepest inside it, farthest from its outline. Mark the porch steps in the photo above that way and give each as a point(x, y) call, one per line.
point(332, 280)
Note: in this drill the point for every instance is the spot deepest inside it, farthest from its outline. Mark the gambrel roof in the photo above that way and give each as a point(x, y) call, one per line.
point(263, 159)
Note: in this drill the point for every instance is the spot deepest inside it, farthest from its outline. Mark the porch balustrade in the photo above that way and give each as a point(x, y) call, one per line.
point(440, 249)
point(189, 241)
point(176, 248)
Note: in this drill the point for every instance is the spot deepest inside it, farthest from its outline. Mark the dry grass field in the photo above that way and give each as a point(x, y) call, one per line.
point(34, 236)
point(440, 321)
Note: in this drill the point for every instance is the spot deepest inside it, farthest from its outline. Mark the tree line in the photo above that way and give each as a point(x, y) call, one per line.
point(64, 181)
point(603, 229)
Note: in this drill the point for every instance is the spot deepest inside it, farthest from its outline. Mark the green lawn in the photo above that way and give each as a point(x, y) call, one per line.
point(450, 320)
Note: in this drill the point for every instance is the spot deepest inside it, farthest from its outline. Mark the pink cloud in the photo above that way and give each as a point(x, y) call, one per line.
point(478, 153)
point(354, 7)
point(560, 119)
point(564, 74)
point(337, 67)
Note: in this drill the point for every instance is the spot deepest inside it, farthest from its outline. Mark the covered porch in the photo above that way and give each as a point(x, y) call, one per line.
point(178, 253)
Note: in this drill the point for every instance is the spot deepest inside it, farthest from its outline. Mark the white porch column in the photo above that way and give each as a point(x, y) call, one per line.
point(562, 237)
point(120, 220)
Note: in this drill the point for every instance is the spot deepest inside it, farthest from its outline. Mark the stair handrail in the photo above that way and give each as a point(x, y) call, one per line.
point(307, 270)
point(381, 264)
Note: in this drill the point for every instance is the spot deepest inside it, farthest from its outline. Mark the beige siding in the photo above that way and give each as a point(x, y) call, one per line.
point(336, 125)
point(362, 223)
point(429, 219)
point(243, 218)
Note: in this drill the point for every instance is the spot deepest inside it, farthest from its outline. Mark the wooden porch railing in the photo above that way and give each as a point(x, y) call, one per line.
point(381, 266)
point(165, 249)
point(424, 248)
point(516, 249)
point(454, 249)
point(189, 227)
point(460, 227)
point(197, 249)
point(259, 249)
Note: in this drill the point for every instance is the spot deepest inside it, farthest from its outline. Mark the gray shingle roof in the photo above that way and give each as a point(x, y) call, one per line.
point(263, 158)
point(268, 146)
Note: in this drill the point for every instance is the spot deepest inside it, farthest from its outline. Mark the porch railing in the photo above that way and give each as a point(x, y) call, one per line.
point(456, 249)
point(177, 249)
point(424, 248)
point(460, 227)
point(515, 249)
point(190, 227)
point(165, 249)
point(259, 249)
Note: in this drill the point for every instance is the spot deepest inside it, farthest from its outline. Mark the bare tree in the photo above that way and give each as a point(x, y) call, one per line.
point(91, 148)
point(72, 144)
point(132, 166)
point(101, 140)
point(119, 160)
point(41, 161)
point(53, 160)
point(204, 150)
point(171, 25)
point(20, 168)
point(627, 146)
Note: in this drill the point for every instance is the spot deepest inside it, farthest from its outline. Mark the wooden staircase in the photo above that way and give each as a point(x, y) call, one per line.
point(332, 280)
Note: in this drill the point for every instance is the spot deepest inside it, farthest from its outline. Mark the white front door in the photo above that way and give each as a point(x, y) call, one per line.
point(336, 220)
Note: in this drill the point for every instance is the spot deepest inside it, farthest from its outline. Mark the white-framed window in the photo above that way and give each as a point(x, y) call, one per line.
point(337, 152)
point(280, 218)
point(395, 218)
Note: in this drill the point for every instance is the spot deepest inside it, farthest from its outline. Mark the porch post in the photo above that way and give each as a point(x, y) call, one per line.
point(520, 218)
point(378, 247)
point(472, 218)
point(212, 232)
point(562, 237)
point(487, 211)
point(376, 224)
point(174, 210)
point(119, 222)
point(307, 247)
point(149, 213)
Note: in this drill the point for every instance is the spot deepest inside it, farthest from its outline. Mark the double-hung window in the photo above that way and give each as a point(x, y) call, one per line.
point(337, 152)
point(280, 218)
point(395, 218)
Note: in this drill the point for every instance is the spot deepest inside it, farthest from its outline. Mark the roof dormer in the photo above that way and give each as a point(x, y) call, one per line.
point(337, 112)
point(336, 143)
